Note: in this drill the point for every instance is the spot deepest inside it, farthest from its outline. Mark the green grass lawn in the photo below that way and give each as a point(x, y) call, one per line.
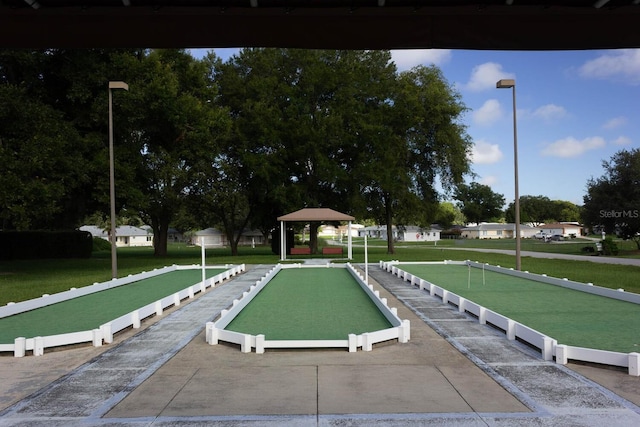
point(572, 317)
point(310, 304)
point(88, 312)
point(573, 246)
point(22, 280)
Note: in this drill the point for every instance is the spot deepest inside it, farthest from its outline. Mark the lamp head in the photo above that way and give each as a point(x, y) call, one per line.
point(118, 85)
point(505, 83)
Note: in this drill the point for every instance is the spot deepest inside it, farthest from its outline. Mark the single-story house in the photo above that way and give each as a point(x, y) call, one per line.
point(126, 235)
point(328, 231)
point(564, 229)
point(174, 235)
point(412, 233)
point(497, 231)
point(377, 232)
point(210, 237)
point(216, 238)
point(407, 233)
point(333, 232)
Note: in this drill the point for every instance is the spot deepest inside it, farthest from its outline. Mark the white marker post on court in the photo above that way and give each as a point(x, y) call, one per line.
point(366, 260)
point(204, 274)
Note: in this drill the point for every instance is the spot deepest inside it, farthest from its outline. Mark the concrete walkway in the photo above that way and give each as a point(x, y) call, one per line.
point(452, 372)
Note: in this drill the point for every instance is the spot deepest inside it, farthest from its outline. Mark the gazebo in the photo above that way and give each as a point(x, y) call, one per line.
point(310, 215)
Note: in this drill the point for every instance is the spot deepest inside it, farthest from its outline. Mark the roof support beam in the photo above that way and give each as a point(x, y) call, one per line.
point(33, 3)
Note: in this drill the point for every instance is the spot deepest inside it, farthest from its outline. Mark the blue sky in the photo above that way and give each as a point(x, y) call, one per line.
point(574, 109)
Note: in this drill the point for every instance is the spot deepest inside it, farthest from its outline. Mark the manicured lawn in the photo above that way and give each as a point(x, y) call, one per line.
point(310, 304)
point(572, 317)
point(90, 311)
point(22, 280)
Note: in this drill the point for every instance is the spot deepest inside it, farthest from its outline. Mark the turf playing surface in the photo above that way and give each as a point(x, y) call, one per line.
point(572, 317)
point(90, 311)
point(310, 304)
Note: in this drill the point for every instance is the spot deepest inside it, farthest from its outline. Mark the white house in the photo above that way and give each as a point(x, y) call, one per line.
point(328, 231)
point(497, 231)
point(215, 238)
point(412, 233)
point(126, 235)
point(407, 233)
point(343, 230)
point(377, 232)
point(210, 237)
point(564, 229)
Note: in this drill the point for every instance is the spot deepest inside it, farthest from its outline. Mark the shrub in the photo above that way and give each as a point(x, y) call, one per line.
point(609, 247)
point(45, 244)
point(100, 244)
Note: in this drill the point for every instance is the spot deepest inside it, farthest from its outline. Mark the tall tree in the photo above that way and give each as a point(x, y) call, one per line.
point(565, 211)
point(613, 200)
point(298, 119)
point(39, 164)
point(254, 89)
point(479, 203)
point(533, 209)
point(177, 132)
point(450, 214)
point(421, 140)
point(61, 98)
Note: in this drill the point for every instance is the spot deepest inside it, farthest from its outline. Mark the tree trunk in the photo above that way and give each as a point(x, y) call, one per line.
point(233, 242)
point(313, 237)
point(389, 218)
point(160, 237)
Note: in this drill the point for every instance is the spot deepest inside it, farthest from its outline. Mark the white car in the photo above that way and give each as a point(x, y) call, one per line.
point(541, 235)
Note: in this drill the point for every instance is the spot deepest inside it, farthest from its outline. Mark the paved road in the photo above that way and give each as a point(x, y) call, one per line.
point(532, 254)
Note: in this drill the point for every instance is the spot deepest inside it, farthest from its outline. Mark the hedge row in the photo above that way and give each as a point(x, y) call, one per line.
point(45, 244)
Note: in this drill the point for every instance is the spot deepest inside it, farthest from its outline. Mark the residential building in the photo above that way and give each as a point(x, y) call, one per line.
point(497, 231)
point(126, 235)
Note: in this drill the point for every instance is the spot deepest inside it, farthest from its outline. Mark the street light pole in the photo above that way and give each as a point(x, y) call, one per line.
point(506, 84)
point(112, 185)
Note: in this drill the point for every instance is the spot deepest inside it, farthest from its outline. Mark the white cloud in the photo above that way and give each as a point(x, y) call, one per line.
point(550, 112)
point(490, 112)
point(572, 147)
point(614, 123)
point(484, 153)
point(622, 140)
point(485, 76)
point(408, 58)
point(619, 65)
point(489, 180)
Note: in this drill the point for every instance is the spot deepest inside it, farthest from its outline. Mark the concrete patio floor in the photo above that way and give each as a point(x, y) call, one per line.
point(453, 371)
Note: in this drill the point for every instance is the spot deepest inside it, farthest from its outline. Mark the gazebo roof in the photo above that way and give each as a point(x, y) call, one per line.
point(316, 214)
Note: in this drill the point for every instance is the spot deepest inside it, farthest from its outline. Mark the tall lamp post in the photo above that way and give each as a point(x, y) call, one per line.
point(511, 84)
point(112, 185)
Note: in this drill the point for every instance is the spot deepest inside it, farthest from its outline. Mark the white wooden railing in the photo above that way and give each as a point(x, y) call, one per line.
point(548, 346)
point(105, 332)
point(215, 331)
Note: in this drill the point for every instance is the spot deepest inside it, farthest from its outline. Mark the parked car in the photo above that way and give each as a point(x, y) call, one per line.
point(557, 237)
point(541, 235)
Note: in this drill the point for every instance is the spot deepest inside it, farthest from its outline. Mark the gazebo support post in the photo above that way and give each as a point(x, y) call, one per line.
point(349, 246)
point(283, 242)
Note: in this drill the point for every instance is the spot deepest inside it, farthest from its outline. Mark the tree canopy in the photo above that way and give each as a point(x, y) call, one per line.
point(612, 201)
point(232, 144)
point(541, 210)
point(479, 203)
